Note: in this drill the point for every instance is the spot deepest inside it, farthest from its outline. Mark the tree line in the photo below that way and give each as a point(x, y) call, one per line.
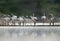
point(28, 7)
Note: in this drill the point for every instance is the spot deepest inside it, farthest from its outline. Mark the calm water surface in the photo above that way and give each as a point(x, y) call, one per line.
point(30, 34)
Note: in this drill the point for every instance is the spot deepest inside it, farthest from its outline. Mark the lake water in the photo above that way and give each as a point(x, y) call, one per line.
point(29, 33)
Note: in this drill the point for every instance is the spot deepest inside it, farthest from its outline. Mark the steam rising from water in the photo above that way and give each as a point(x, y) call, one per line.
point(34, 34)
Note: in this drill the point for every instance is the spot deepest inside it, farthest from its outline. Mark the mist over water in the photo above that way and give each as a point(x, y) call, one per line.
point(29, 34)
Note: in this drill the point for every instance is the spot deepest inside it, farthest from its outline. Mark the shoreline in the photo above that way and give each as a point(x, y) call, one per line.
point(32, 24)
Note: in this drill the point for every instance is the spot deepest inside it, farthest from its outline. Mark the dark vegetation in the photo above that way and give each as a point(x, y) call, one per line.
point(28, 7)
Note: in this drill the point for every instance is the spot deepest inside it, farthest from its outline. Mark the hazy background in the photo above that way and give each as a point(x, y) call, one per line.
point(28, 7)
